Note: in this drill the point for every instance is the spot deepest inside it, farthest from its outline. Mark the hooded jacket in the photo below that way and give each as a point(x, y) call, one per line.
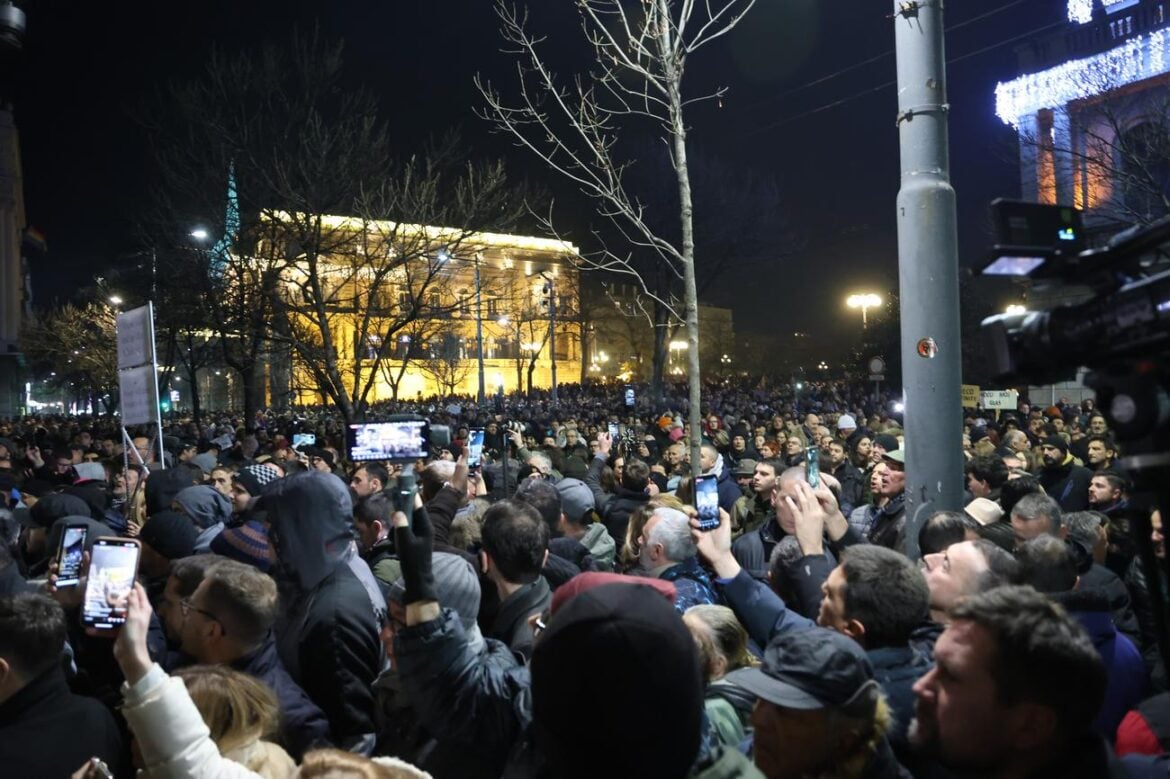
point(209, 509)
point(1124, 669)
point(327, 633)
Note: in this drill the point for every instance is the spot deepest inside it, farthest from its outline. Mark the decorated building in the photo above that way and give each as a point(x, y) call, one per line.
point(1091, 109)
point(411, 308)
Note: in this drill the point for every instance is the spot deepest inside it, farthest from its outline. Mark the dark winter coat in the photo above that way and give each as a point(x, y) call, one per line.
point(615, 509)
point(302, 723)
point(47, 732)
point(1125, 671)
point(753, 550)
point(510, 624)
point(327, 633)
point(1068, 485)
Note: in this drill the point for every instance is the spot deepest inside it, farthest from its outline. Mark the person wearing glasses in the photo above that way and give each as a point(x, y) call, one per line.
point(227, 620)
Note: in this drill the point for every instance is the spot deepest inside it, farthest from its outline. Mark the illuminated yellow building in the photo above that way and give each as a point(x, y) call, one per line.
point(404, 307)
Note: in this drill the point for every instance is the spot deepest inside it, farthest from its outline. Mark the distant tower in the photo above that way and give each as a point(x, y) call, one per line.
point(12, 222)
point(231, 228)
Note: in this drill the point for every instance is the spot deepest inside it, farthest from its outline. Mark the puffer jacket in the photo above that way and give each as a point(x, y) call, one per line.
point(327, 632)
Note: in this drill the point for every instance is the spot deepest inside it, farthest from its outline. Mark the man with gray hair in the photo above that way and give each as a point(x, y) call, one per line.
point(669, 553)
point(1036, 515)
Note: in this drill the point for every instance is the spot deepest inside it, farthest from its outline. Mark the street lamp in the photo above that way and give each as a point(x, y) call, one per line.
point(864, 301)
point(115, 300)
point(199, 234)
point(1015, 308)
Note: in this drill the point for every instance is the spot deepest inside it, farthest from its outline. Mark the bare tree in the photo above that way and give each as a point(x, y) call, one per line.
point(76, 347)
point(640, 52)
point(339, 243)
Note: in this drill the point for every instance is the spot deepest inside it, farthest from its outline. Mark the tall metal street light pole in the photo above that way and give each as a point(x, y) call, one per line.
point(864, 301)
point(479, 327)
point(927, 270)
point(550, 289)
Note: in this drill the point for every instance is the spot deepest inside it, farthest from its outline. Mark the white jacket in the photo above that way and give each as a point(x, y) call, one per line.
point(176, 743)
point(171, 735)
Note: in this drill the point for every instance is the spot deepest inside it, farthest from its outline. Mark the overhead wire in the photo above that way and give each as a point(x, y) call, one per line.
point(884, 85)
point(880, 55)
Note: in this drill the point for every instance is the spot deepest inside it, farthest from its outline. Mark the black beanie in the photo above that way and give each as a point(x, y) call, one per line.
point(1057, 442)
point(170, 533)
point(631, 631)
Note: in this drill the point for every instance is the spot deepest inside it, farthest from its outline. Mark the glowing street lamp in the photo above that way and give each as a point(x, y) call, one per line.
point(864, 301)
point(1015, 308)
point(115, 300)
point(199, 234)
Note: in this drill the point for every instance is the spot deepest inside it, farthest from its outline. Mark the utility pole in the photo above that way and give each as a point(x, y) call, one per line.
point(479, 327)
point(552, 329)
point(927, 270)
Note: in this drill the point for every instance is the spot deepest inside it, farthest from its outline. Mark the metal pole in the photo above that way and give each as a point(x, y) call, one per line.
point(479, 327)
point(927, 271)
point(552, 333)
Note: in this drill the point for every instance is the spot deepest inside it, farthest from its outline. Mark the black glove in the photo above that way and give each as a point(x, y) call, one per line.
point(415, 545)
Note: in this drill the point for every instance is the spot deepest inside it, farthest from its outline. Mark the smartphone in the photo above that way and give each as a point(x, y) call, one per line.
point(403, 492)
point(613, 432)
point(304, 439)
point(403, 441)
point(630, 397)
point(812, 466)
point(475, 448)
point(707, 501)
point(69, 555)
point(113, 568)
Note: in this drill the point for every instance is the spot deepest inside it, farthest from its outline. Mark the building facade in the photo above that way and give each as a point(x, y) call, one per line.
point(1091, 110)
point(416, 327)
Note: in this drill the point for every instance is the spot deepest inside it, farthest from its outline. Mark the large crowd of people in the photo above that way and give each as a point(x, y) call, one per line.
point(553, 605)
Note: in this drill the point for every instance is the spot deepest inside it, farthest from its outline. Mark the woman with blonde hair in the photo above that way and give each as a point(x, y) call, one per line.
point(242, 714)
point(723, 648)
point(335, 764)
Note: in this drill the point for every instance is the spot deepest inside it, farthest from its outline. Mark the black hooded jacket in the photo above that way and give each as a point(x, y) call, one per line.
point(327, 633)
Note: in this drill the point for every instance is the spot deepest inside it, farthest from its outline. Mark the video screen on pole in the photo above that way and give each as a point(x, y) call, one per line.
point(406, 440)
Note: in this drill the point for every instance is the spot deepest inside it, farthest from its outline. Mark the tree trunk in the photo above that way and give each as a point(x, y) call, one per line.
point(658, 360)
point(686, 218)
point(196, 401)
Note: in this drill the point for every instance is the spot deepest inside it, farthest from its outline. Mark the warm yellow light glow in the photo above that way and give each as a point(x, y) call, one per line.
point(863, 300)
point(1015, 308)
point(678, 346)
point(445, 235)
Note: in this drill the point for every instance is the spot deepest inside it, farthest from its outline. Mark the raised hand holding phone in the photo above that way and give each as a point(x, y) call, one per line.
point(130, 645)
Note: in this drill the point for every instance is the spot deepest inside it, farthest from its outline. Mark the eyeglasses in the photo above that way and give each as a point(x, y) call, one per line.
point(186, 606)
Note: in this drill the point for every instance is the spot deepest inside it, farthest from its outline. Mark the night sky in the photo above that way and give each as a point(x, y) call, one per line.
point(89, 68)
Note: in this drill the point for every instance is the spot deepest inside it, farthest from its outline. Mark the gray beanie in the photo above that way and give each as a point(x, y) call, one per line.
point(456, 584)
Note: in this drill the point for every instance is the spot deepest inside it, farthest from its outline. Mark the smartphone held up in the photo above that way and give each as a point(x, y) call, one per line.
point(707, 502)
point(113, 568)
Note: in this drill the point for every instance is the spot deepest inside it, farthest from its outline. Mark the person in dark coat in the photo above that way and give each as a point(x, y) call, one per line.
point(45, 730)
point(626, 626)
point(515, 548)
point(332, 609)
point(228, 620)
point(615, 508)
point(1049, 565)
point(1014, 692)
point(821, 681)
point(1062, 478)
